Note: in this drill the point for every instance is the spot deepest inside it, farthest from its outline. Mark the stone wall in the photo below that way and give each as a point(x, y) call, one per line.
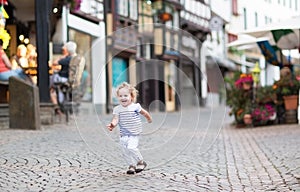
point(46, 115)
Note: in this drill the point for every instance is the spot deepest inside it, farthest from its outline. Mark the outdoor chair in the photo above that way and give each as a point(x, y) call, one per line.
point(71, 89)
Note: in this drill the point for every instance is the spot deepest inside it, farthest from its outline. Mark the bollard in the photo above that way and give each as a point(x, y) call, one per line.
point(24, 105)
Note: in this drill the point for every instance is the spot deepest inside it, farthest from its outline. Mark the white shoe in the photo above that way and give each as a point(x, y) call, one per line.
point(141, 165)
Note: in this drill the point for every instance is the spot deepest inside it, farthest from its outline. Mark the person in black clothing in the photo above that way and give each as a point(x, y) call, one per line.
point(68, 51)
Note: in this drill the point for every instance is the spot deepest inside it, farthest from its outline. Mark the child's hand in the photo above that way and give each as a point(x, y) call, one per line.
point(110, 126)
point(146, 115)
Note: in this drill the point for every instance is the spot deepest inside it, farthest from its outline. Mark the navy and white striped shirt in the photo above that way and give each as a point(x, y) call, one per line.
point(129, 119)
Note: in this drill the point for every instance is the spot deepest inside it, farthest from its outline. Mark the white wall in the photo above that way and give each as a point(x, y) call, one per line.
point(264, 8)
point(222, 8)
point(98, 54)
point(99, 71)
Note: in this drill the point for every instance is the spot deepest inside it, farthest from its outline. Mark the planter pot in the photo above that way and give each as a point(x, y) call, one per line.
point(246, 86)
point(291, 116)
point(247, 119)
point(290, 102)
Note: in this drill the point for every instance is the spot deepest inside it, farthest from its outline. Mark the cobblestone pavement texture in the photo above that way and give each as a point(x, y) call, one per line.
point(83, 156)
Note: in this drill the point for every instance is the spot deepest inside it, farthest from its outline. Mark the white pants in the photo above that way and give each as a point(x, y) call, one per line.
point(129, 146)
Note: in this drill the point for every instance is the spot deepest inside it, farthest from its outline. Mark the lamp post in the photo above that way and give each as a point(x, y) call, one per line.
point(256, 77)
point(256, 74)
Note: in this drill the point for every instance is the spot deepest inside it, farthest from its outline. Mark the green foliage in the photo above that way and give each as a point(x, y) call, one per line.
point(265, 94)
point(287, 86)
point(235, 51)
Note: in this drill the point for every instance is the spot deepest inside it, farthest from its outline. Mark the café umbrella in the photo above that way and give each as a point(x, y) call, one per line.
point(283, 34)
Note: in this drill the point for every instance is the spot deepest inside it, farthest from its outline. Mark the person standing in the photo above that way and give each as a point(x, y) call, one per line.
point(5, 67)
point(127, 116)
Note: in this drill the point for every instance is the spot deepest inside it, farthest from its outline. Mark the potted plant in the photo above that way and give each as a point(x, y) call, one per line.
point(265, 95)
point(262, 114)
point(239, 97)
point(287, 89)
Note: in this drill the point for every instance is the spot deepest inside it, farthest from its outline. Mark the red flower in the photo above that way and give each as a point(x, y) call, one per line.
point(244, 78)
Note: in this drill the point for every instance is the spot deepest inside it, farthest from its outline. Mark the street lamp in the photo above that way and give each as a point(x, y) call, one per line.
point(256, 74)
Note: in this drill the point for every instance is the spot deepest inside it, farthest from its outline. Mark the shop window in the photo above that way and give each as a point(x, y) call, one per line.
point(119, 74)
point(133, 10)
point(245, 18)
point(123, 8)
point(83, 42)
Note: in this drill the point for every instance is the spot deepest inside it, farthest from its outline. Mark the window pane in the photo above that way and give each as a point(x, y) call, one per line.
point(123, 8)
point(133, 9)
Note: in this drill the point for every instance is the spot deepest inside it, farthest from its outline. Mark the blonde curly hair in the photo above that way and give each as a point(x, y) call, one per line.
point(132, 90)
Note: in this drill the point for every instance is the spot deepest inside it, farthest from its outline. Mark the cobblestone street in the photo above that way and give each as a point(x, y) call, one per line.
point(191, 150)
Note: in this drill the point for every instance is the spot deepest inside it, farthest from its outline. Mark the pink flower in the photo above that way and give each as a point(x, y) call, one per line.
point(244, 78)
point(263, 113)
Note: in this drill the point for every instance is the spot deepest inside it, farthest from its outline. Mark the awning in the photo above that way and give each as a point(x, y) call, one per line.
point(285, 34)
point(245, 40)
point(223, 62)
point(244, 63)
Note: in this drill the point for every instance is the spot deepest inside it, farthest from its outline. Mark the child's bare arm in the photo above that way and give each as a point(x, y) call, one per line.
point(113, 123)
point(146, 115)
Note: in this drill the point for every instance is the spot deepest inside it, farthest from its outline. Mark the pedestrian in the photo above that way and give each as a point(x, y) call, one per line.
point(127, 116)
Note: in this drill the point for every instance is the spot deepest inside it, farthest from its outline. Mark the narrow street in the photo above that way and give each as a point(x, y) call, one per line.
point(190, 150)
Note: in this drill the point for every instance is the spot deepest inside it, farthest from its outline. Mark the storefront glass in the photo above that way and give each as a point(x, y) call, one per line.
point(119, 74)
point(83, 41)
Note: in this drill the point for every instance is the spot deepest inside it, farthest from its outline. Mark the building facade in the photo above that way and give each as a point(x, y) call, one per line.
point(48, 25)
point(159, 46)
point(156, 46)
point(248, 15)
point(86, 27)
point(217, 65)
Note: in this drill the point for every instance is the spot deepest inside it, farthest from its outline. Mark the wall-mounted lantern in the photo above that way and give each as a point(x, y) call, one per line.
point(164, 17)
point(162, 10)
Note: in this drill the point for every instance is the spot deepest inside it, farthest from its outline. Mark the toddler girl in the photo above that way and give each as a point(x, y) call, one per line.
point(127, 116)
